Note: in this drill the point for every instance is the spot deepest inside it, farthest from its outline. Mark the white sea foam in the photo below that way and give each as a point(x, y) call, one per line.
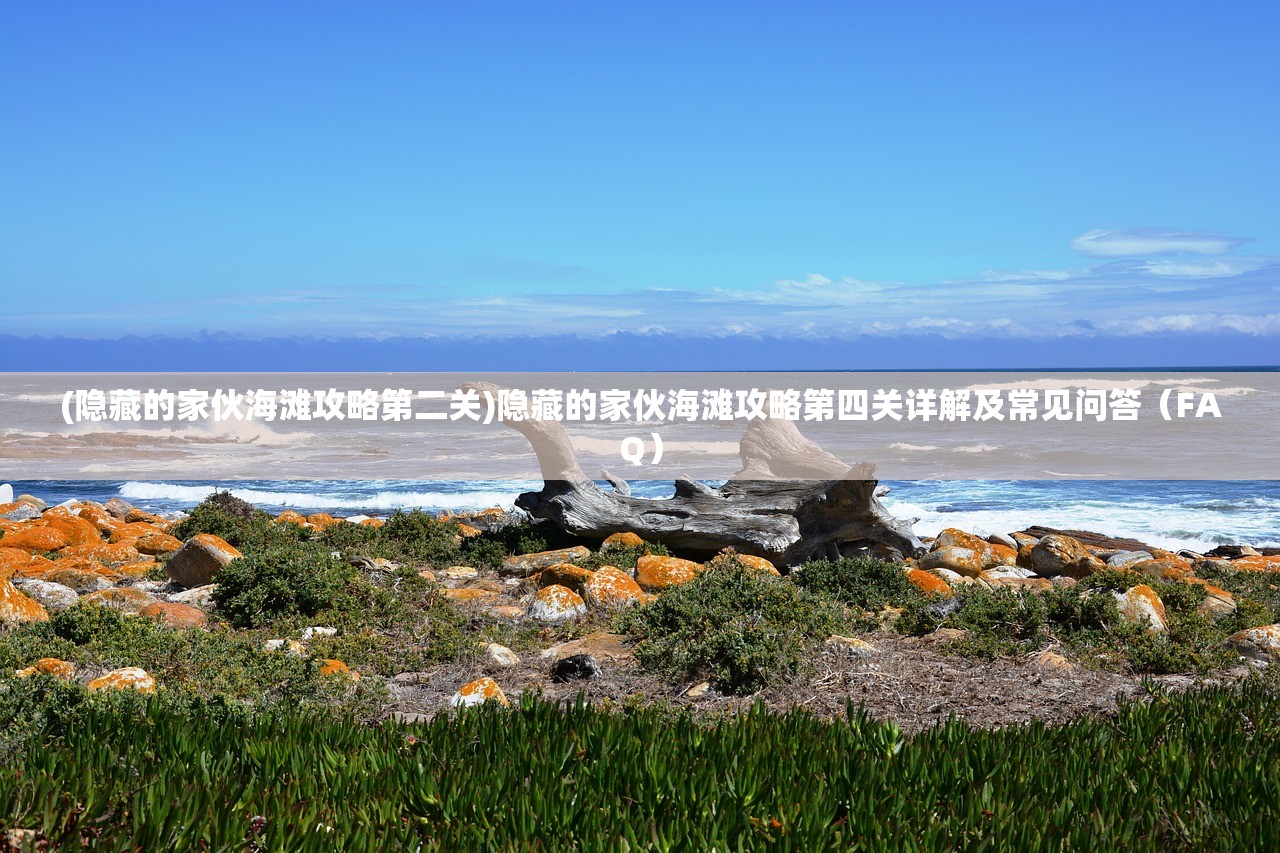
point(388, 500)
point(902, 445)
point(1170, 527)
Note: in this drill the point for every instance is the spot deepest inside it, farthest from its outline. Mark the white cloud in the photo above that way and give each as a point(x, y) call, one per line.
point(1137, 242)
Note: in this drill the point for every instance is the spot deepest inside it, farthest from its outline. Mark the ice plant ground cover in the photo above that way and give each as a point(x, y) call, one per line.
point(124, 771)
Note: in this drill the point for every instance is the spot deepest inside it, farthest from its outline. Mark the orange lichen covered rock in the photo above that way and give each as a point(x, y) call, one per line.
point(77, 530)
point(564, 574)
point(156, 543)
point(623, 540)
point(105, 522)
point(102, 552)
point(964, 561)
point(126, 599)
point(478, 692)
point(198, 561)
point(18, 511)
point(126, 678)
point(16, 608)
point(751, 563)
point(171, 614)
point(1244, 564)
point(1165, 568)
point(291, 517)
point(333, 666)
point(80, 578)
point(928, 583)
point(130, 532)
point(611, 587)
point(321, 520)
point(655, 573)
point(12, 560)
point(47, 666)
point(990, 554)
point(524, 565)
point(469, 595)
point(36, 567)
point(32, 538)
point(373, 522)
point(468, 531)
point(1260, 645)
point(1141, 605)
point(556, 603)
point(134, 514)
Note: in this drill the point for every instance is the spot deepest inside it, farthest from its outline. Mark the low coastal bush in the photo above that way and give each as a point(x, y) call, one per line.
point(740, 627)
point(1085, 620)
point(1193, 771)
point(622, 556)
point(281, 581)
point(864, 583)
point(240, 523)
point(216, 664)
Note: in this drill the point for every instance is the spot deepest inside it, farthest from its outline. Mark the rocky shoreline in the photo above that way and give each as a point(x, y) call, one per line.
point(126, 559)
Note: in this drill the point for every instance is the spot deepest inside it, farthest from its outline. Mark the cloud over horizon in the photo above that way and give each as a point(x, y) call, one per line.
point(1177, 282)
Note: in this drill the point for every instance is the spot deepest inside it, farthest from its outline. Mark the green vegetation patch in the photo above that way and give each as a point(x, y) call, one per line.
point(742, 628)
point(122, 772)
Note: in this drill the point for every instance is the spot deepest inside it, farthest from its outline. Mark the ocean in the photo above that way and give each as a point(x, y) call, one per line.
point(1173, 514)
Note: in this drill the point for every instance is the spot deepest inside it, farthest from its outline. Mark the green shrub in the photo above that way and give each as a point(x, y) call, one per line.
point(743, 628)
point(239, 523)
point(347, 537)
point(863, 583)
point(213, 663)
point(279, 582)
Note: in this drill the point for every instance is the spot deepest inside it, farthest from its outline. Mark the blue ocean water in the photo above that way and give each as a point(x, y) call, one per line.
point(1194, 514)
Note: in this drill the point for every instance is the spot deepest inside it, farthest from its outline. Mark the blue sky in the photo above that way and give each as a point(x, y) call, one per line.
point(1088, 175)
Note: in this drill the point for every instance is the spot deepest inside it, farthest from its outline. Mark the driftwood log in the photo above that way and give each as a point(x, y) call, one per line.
point(791, 501)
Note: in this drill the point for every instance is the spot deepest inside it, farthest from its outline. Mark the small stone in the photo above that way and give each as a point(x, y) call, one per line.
point(601, 645)
point(575, 667)
point(1141, 605)
point(333, 666)
point(48, 666)
point(507, 612)
point(309, 634)
point(478, 692)
point(698, 690)
point(947, 635)
point(468, 595)
point(175, 616)
point(292, 647)
point(655, 573)
point(611, 587)
point(524, 565)
point(427, 575)
point(557, 603)
point(198, 596)
point(626, 539)
point(459, 573)
point(928, 582)
point(501, 655)
point(850, 645)
point(127, 678)
point(1053, 660)
point(1120, 559)
point(564, 574)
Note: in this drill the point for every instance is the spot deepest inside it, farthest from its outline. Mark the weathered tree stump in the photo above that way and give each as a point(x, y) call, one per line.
point(791, 501)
